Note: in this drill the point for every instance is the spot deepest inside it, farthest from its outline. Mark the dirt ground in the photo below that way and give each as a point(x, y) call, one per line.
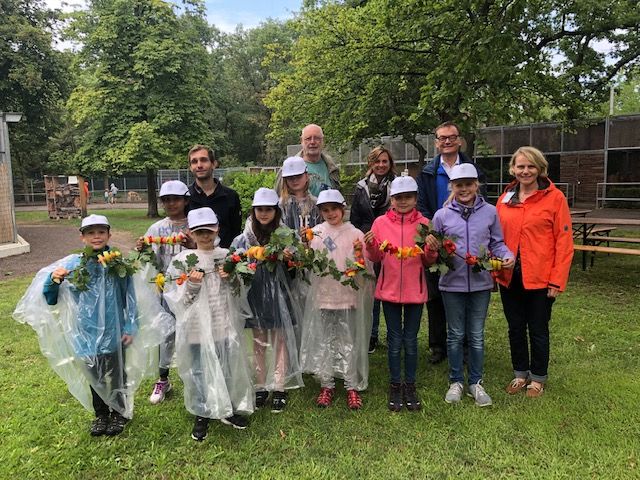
point(50, 243)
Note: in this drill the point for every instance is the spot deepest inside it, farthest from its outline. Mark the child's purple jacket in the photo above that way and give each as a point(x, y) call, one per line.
point(481, 227)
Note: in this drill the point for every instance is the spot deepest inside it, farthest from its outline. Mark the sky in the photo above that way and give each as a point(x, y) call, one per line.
point(224, 14)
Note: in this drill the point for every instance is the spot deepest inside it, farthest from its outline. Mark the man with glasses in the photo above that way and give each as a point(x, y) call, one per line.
point(433, 191)
point(206, 191)
point(322, 170)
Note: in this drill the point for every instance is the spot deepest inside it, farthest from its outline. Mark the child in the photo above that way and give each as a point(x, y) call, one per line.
point(298, 206)
point(401, 286)
point(210, 353)
point(272, 312)
point(92, 330)
point(174, 196)
point(473, 223)
point(337, 324)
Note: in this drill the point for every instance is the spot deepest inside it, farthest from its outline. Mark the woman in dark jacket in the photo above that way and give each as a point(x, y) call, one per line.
point(370, 200)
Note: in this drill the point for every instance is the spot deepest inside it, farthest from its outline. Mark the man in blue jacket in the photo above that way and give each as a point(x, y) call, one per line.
point(433, 190)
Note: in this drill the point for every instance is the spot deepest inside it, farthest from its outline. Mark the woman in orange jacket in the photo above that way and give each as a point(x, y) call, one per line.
point(536, 223)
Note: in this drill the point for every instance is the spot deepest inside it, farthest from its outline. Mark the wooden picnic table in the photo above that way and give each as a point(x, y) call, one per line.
point(580, 212)
point(584, 226)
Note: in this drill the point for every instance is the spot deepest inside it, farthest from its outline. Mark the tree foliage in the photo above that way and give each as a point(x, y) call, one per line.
point(144, 92)
point(366, 69)
point(34, 81)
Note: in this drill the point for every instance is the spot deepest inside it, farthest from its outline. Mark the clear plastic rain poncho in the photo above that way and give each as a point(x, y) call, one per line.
point(337, 318)
point(80, 334)
point(270, 313)
point(164, 255)
point(210, 350)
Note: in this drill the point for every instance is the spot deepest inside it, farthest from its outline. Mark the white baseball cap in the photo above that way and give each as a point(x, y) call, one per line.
point(202, 219)
point(293, 166)
point(403, 184)
point(265, 197)
point(92, 220)
point(330, 196)
point(463, 170)
point(174, 187)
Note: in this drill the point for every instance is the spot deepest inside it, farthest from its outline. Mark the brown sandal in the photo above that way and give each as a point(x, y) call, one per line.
point(516, 385)
point(535, 389)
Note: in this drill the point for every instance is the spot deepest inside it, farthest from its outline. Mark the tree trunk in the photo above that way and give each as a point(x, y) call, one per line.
point(152, 199)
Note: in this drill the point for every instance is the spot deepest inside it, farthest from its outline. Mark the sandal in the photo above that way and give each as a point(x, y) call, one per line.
point(535, 389)
point(516, 385)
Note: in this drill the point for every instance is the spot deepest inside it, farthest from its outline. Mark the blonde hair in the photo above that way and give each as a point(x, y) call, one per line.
point(375, 154)
point(452, 195)
point(285, 194)
point(532, 154)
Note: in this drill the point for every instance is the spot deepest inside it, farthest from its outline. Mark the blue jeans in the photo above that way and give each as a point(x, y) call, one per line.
point(401, 335)
point(466, 314)
point(375, 325)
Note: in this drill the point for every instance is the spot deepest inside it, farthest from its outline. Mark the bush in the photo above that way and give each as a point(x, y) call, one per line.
point(247, 183)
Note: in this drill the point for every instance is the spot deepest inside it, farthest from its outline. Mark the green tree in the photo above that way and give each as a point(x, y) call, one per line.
point(33, 81)
point(366, 69)
point(144, 93)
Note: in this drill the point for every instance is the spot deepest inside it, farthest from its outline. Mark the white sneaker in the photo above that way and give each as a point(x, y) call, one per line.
point(160, 390)
point(454, 394)
point(481, 397)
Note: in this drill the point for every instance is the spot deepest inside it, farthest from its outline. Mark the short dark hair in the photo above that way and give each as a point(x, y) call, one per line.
point(210, 153)
point(445, 125)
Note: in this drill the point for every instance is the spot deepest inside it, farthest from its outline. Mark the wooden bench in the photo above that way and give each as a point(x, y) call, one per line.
point(597, 248)
point(599, 231)
point(598, 239)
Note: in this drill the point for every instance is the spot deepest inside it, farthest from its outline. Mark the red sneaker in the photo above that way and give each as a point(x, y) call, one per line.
point(325, 397)
point(354, 402)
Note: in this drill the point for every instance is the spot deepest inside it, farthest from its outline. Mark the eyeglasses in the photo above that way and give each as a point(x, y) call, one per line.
point(313, 139)
point(444, 138)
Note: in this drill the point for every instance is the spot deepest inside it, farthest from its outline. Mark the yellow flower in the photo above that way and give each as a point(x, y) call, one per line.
point(159, 281)
point(383, 245)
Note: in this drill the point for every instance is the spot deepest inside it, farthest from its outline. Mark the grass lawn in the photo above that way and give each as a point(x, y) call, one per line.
point(587, 425)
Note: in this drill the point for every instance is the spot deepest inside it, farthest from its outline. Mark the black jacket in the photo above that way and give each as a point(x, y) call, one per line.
point(362, 215)
point(225, 202)
point(427, 196)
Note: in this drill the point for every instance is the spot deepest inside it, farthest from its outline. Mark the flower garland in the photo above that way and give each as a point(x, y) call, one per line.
point(173, 239)
point(111, 260)
point(401, 252)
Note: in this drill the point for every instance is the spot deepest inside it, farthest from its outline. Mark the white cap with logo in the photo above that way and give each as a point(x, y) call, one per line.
point(174, 187)
point(463, 170)
point(293, 166)
point(265, 197)
point(403, 184)
point(202, 219)
point(92, 220)
point(330, 196)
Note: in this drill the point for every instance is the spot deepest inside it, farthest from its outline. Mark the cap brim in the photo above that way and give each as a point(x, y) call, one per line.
point(82, 229)
point(211, 228)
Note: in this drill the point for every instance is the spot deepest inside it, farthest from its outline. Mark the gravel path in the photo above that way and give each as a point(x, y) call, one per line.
point(50, 243)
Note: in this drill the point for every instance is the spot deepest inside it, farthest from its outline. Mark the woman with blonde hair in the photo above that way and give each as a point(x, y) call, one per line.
point(536, 223)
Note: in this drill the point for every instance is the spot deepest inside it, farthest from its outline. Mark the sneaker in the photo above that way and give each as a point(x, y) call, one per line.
point(278, 402)
point(395, 397)
point(236, 421)
point(454, 394)
point(116, 424)
point(200, 427)
point(261, 398)
point(481, 397)
point(373, 344)
point(325, 397)
point(411, 399)
point(354, 401)
point(99, 425)
point(160, 390)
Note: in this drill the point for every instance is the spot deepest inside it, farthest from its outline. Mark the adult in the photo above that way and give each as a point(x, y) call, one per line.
point(207, 191)
point(536, 223)
point(113, 190)
point(371, 199)
point(322, 170)
point(433, 191)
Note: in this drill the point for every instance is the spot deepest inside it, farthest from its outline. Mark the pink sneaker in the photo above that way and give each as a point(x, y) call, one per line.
point(160, 390)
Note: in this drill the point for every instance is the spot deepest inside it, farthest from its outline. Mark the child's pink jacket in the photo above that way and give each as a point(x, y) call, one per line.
point(400, 280)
